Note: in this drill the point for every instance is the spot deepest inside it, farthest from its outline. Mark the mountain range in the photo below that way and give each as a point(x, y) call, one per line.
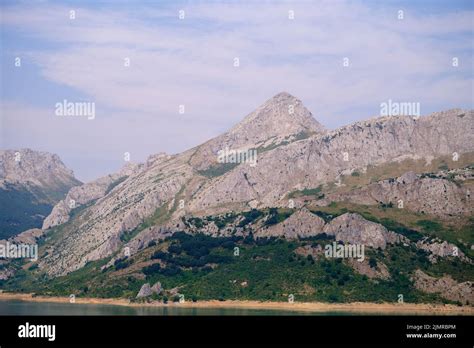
point(399, 185)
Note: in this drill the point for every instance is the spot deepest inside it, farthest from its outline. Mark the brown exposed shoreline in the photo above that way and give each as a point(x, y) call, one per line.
point(316, 307)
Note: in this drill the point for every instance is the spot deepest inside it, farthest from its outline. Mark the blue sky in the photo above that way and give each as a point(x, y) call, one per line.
point(190, 61)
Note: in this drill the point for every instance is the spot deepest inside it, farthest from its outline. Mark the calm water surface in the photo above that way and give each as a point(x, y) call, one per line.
point(15, 307)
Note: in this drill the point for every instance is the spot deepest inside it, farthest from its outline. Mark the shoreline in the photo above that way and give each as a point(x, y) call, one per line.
point(314, 307)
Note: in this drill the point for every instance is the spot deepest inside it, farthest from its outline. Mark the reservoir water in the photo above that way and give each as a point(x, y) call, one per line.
point(15, 307)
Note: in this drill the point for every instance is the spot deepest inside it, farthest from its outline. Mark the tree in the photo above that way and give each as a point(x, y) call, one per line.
point(372, 262)
point(174, 249)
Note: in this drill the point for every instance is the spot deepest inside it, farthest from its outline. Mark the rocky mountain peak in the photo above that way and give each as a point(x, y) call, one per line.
point(25, 166)
point(31, 183)
point(281, 119)
point(281, 115)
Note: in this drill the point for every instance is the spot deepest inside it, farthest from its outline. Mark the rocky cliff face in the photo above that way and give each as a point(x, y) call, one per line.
point(440, 249)
point(380, 271)
point(445, 286)
point(300, 224)
point(280, 120)
point(85, 194)
point(354, 229)
point(31, 182)
point(323, 158)
point(96, 232)
point(35, 168)
point(436, 196)
point(294, 152)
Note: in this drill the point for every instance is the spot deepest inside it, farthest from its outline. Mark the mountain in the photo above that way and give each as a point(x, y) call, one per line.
point(323, 158)
point(86, 194)
point(165, 178)
point(279, 121)
point(287, 162)
point(438, 195)
point(31, 183)
point(400, 186)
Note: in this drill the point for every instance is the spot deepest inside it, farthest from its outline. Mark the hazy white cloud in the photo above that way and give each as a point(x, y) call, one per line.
point(190, 62)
